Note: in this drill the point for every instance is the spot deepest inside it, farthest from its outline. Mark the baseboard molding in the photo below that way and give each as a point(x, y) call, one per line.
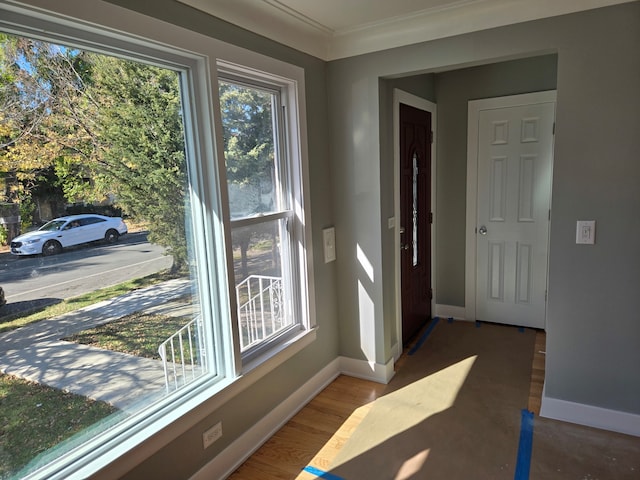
point(376, 372)
point(590, 416)
point(237, 453)
point(451, 311)
point(225, 463)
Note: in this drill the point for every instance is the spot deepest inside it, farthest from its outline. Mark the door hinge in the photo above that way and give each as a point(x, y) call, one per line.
point(553, 130)
point(430, 294)
point(545, 295)
point(430, 217)
point(549, 214)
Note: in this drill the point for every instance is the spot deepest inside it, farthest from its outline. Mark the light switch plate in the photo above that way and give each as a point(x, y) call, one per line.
point(329, 242)
point(586, 232)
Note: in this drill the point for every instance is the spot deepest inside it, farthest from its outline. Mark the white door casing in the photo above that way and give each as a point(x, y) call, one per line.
point(510, 158)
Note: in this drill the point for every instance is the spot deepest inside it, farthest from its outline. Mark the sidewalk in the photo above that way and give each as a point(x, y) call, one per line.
point(35, 352)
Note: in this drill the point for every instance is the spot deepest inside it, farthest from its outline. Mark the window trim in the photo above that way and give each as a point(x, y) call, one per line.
point(107, 28)
point(284, 91)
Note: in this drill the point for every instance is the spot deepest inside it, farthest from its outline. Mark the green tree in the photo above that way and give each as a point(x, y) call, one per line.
point(44, 113)
point(144, 164)
point(93, 126)
point(249, 150)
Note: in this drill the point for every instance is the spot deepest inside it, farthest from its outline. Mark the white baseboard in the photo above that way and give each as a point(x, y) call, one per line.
point(376, 372)
point(451, 311)
point(613, 420)
point(225, 463)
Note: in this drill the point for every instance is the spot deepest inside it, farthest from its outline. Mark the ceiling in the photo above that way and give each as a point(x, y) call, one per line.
point(333, 29)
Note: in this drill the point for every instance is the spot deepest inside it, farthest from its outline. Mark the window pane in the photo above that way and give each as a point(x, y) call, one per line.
point(260, 280)
point(263, 263)
point(92, 134)
point(250, 153)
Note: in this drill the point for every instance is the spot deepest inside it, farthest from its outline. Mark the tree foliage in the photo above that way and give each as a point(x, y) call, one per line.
point(88, 127)
point(248, 132)
point(145, 160)
point(93, 127)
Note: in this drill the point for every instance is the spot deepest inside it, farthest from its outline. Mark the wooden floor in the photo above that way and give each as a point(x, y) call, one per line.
point(313, 437)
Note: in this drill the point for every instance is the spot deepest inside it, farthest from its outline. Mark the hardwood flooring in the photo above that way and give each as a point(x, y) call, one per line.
point(314, 436)
point(537, 372)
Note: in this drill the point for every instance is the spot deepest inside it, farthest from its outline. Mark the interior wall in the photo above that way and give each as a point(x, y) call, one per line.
point(454, 90)
point(592, 327)
point(593, 332)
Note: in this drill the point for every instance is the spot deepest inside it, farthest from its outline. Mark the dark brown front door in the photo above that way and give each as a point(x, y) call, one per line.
point(415, 218)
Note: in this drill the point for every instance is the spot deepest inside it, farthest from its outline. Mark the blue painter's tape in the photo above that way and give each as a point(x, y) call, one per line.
point(521, 329)
point(478, 324)
point(424, 335)
point(450, 320)
point(523, 464)
point(321, 474)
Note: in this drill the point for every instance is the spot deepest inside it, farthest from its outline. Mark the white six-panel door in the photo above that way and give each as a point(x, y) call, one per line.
point(514, 154)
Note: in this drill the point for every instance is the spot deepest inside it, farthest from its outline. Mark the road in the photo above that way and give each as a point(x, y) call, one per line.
point(31, 282)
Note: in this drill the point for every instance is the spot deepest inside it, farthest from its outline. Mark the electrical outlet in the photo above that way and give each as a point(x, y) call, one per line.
point(211, 435)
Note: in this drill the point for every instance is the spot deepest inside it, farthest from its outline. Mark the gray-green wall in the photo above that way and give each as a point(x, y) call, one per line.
point(593, 322)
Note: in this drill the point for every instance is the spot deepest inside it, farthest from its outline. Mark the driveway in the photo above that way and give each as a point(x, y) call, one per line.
point(36, 352)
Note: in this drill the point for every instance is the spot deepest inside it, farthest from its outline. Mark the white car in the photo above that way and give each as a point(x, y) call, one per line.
point(64, 232)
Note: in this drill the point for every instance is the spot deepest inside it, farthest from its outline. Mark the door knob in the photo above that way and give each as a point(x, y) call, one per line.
point(482, 230)
point(404, 247)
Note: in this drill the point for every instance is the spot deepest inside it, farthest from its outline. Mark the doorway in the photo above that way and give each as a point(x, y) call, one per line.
point(509, 174)
point(414, 173)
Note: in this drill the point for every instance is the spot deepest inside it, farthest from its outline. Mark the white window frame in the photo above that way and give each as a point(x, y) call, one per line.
point(109, 29)
point(288, 128)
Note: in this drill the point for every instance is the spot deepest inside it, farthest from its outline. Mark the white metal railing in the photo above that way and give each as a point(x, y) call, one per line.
point(183, 355)
point(261, 309)
point(261, 315)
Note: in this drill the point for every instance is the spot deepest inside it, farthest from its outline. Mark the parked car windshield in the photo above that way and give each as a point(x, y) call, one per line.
point(52, 226)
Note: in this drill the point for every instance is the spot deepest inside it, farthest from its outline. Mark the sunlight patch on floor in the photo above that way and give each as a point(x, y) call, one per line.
point(411, 405)
point(412, 466)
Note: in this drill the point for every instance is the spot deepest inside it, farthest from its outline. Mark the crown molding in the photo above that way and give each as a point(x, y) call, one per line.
point(279, 22)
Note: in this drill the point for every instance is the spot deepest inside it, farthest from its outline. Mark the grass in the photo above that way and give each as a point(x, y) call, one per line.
point(137, 334)
point(34, 418)
point(11, 322)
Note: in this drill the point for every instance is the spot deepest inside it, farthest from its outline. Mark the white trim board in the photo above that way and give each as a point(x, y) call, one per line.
point(400, 96)
point(450, 311)
point(227, 461)
point(590, 416)
point(376, 372)
point(475, 106)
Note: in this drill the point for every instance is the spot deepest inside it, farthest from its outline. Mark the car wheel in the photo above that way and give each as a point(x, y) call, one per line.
point(111, 236)
point(51, 247)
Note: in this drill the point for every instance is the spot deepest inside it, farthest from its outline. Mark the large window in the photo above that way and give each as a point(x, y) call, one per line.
point(212, 193)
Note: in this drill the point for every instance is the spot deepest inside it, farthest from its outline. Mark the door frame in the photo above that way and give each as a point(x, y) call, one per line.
point(400, 96)
point(474, 108)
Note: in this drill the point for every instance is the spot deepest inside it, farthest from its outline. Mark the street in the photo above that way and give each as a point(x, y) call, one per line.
point(35, 281)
